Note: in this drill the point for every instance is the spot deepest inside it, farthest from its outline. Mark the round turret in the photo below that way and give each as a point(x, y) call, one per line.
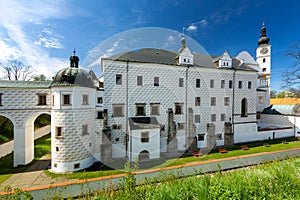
point(73, 76)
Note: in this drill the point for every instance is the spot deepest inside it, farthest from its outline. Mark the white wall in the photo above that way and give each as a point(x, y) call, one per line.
point(153, 146)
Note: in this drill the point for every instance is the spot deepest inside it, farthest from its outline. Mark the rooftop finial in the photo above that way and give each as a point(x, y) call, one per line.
point(74, 60)
point(263, 35)
point(182, 41)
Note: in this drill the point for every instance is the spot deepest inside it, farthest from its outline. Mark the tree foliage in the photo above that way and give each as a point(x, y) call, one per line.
point(17, 70)
point(292, 75)
point(41, 77)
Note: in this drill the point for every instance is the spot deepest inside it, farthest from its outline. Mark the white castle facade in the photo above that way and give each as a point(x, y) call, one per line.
point(151, 102)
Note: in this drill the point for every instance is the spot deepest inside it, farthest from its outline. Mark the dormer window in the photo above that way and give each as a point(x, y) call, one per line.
point(225, 60)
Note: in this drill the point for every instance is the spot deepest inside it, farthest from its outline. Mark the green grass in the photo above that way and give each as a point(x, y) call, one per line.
point(276, 180)
point(256, 147)
point(42, 146)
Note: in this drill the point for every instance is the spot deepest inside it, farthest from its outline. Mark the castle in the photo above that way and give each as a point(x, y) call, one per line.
point(149, 102)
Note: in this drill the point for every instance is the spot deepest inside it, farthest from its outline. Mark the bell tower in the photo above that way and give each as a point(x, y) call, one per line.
point(263, 58)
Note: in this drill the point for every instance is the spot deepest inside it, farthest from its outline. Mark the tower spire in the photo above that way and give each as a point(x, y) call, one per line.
point(263, 35)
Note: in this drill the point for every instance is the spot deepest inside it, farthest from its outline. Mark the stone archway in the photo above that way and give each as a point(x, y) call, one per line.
point(144, 155)
point(24, 140)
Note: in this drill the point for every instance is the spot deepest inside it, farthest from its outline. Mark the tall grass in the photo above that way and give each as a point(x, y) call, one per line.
point(277, 180)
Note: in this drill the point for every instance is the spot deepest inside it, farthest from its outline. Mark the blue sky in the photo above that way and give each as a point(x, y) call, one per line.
point(44, 33)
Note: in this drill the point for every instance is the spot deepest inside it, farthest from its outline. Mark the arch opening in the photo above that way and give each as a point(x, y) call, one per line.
point(6, 129)
point(144, 155)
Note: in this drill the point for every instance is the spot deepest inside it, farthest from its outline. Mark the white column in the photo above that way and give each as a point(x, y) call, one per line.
point(23, 145)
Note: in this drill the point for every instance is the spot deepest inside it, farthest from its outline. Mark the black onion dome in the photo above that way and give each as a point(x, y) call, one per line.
point(263, 36)
point(72, 76)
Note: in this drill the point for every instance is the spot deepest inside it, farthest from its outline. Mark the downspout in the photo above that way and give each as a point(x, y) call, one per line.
point(233, 104)
point(130, 150)
point(186, 109)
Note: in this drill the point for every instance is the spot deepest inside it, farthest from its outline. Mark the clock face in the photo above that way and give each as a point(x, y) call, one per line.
point(264, 50)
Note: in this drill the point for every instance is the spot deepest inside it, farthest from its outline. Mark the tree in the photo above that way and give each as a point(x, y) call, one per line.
point(41, 77)
point(292, 75)
point(273, 94)
point(17, 70)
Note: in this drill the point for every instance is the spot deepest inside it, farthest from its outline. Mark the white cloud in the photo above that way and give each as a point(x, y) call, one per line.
point(191, 28)
point(8, 52)
point(194, 26)
point(16, 19)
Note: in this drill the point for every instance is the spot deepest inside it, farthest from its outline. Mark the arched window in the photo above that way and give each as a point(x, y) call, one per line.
point(264, 60)
point(244, 107)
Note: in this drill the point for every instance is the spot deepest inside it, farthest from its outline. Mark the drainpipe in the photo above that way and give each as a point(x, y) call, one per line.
point(233, 100)
point(186, 109)
point(127, 109)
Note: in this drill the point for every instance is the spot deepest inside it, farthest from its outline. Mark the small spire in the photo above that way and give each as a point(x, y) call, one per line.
point(263, 35)
point(74, 60)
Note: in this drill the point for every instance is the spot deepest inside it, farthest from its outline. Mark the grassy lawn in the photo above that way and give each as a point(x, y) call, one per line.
point(276, 180)
point(42, 146)
point(255, 147)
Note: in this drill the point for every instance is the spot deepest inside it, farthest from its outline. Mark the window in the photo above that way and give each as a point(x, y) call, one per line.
point(100, 115)
point(249, 84)
point(223, 117)
point(212, 83)
point(140, 109)
point(57, 148)
point(180, 82)
point(230, 84)
point(139, 80)
point(264, 83)
point(119, 79)
point(197, 119)
point(201, 137)
point(219, 136)
point(58, 132)
point(42, 99)
point(244, 108)
point(260, 99)
point(222, 83)
point(264, 69)
point(197, 101)
point(66, 99)
point(178, 108)
point(213, 101)
point(85, 99)
point(85, 129)
point(145, 137)
point(0, 99)
point(99, 100)
point(154, 109)
point(181, 126)
point(226, 101)
point(52, 100)
point(117, 139)
point(264, 60)
point(77, 165)
point(198, 83)
point(156, 81)
point(116, 126)
point(213, 117)
point(118, 110)
point(240, 84)
point(258, 115)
